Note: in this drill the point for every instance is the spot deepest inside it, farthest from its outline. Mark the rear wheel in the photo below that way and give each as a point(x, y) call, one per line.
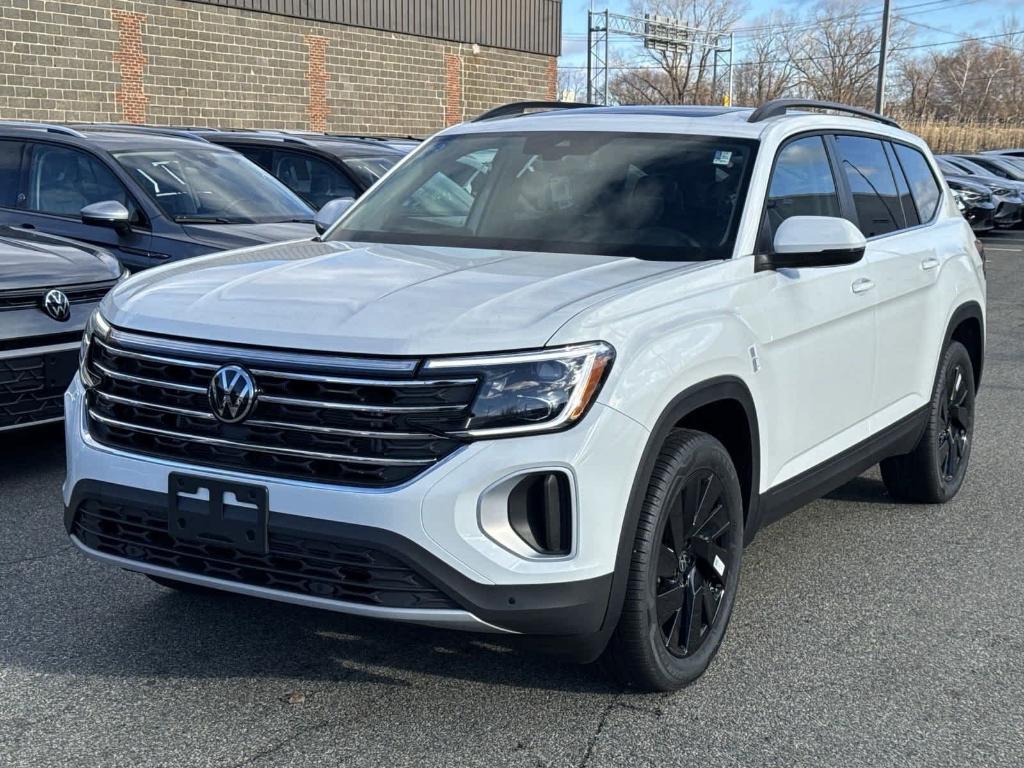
point(934, 471)
point(684, 572)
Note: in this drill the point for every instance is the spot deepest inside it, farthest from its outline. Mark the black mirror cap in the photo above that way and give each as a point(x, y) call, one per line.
point(830, 258)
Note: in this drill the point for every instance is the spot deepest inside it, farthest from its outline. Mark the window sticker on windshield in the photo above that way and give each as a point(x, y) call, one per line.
point(722, 157)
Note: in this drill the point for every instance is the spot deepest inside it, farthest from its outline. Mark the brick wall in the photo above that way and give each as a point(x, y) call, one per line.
point(173, 62)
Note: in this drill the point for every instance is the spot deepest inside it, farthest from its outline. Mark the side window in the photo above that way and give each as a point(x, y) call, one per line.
point(872, 184)
point(802, 183)
point(62, 181)
point(907, 206)
point(923, 185)
point(262, 156)
point(314, 180)
point(10, 172)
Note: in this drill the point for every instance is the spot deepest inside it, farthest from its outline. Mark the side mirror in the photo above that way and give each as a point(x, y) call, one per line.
point(814, 241)
point(331, 212)
point(106, 213)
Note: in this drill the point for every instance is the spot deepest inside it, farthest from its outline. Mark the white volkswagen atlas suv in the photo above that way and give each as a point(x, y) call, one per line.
point(547, 377)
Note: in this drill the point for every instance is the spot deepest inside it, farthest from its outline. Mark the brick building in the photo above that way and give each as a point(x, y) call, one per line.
point(375, 66)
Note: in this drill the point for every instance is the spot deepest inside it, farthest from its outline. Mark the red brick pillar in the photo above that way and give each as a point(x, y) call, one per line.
point(130, 95)
point(552, 75)
point(316, 79)
point(452, 89)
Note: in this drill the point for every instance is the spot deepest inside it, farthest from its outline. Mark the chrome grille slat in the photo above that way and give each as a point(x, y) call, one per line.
point(364, 382)
point(265, 423)
point(333, 419)
point(362, 408)
point(118, 376)
point(222, 352)
point(157, 358)
point(301, 453)
point(156, 406)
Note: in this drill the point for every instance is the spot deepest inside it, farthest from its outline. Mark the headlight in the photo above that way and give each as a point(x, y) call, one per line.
point(525, 392)
point(970, 196)
point(95, 327)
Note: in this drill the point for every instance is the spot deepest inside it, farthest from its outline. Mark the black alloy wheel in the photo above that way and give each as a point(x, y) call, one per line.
point(693, 558)
point(956, 416)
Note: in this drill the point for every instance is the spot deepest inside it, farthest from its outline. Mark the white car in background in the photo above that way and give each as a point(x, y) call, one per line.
point(557, 403)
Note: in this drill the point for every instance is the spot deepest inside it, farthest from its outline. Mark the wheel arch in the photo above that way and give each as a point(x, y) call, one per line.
point(717, 406)
point(967, 325)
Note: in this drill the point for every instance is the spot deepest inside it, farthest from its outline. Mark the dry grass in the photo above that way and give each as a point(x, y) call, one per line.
point(966, 137)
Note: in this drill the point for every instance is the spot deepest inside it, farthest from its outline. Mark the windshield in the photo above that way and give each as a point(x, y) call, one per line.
point(369, 169)
point(212, 186)
point(651, 196)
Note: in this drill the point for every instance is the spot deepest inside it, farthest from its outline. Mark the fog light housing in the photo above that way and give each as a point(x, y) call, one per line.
point(540, 512)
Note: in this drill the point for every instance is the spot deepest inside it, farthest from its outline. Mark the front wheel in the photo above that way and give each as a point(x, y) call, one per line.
point(684, 572)
point(933, 472)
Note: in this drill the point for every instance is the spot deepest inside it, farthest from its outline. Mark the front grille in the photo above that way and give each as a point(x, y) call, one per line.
point(335, 420)
point(323, 567)
point(77, 294)
point(32, 387)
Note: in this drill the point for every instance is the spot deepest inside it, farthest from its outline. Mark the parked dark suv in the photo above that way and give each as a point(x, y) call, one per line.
point(48, 288)
point(318, 167)
point(148, 196)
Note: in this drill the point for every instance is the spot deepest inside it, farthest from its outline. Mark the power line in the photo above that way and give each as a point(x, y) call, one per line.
point(825, 58)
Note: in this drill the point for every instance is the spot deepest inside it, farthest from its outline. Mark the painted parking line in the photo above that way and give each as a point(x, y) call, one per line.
point(1005, 250)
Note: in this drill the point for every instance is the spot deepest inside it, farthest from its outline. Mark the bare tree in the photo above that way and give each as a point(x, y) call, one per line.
point(572, 84)
point(836, 56)
point(766, 71)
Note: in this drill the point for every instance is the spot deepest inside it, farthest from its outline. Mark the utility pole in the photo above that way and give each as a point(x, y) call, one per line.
point(883, 49)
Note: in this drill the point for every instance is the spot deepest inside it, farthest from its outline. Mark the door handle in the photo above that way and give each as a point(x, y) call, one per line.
point(26, 225)
point(929, 263)
point(863, 285)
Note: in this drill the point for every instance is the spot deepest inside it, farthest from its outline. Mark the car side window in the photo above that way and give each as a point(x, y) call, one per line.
point(871, 181)
point(923, 186)
point(63, 180)
point(262, 156)
point(802, 183)
point(907, 206)
point(314, 180)
point(10, 172)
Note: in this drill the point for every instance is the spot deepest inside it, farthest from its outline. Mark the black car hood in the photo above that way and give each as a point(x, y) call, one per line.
point(226, 237)
point(34, 260)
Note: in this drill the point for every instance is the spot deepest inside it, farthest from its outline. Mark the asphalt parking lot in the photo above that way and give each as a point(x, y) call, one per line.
point(866, 634)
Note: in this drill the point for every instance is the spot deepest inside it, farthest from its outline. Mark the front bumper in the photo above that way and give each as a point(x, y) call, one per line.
point(430, 525)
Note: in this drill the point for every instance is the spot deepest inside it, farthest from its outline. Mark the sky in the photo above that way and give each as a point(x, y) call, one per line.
point(936, 23)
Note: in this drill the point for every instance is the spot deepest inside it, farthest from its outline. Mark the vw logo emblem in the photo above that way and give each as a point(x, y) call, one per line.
point(232, 394)
point(56, 305)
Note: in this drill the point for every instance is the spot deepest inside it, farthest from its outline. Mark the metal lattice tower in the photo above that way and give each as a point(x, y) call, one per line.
point(658, 33)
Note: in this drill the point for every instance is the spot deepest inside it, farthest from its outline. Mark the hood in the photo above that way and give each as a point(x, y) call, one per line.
point(229, 236)
point(33, 260)
point(374, 299)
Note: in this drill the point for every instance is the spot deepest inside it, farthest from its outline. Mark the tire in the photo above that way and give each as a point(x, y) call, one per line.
point(684, 572)
point(933, 472)
point(183, 586)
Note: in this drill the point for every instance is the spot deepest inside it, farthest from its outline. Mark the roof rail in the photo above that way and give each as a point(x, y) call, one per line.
point(778, 107)
point(158, 130)
point(517, 108)
point(50, 127)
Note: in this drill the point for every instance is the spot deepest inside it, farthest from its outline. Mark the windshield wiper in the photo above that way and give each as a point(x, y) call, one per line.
point(196, 219)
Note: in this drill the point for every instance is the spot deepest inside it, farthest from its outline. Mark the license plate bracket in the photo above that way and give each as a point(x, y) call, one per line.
point(208, 511)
